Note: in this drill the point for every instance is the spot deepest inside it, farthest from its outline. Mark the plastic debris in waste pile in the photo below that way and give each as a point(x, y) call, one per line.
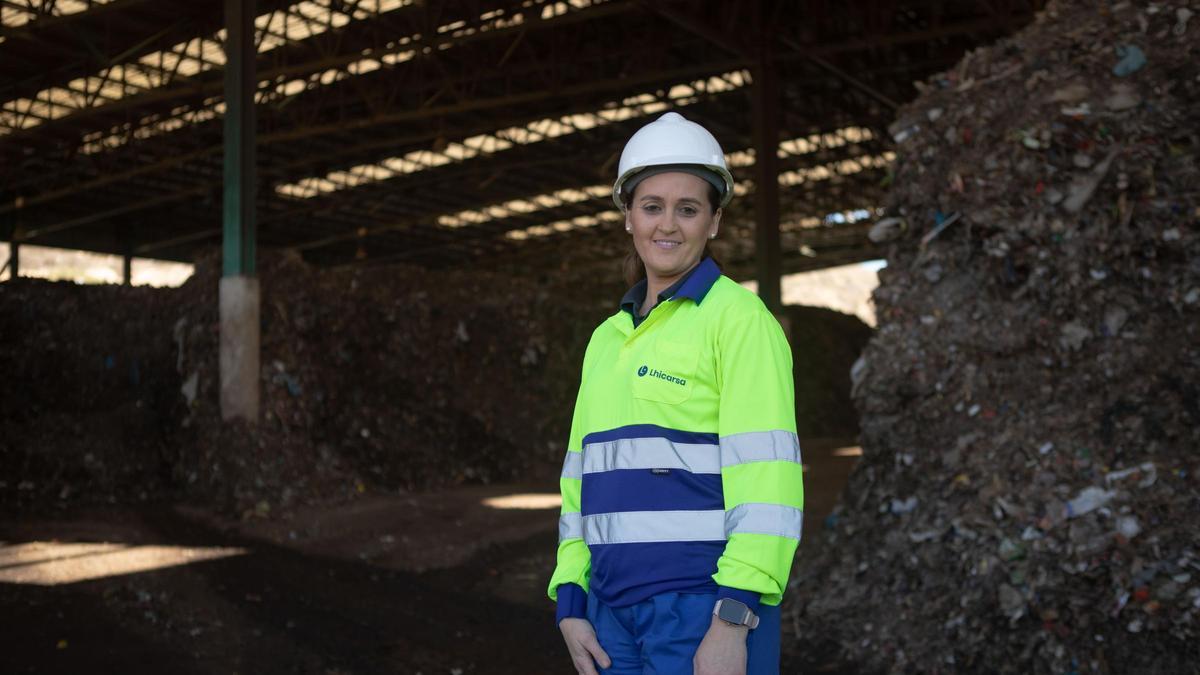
point(1028, 493)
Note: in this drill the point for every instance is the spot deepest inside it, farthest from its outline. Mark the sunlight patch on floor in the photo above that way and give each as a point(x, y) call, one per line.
point(44, 563)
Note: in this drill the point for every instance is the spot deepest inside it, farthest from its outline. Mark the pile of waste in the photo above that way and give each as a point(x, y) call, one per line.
point(373, 380)
point(378, 379)
point(80, 405)
point(825, 344)
point(1027, 497)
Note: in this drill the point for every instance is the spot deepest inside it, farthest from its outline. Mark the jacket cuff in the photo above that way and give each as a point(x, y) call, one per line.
point(572, 603)
point(748, 598)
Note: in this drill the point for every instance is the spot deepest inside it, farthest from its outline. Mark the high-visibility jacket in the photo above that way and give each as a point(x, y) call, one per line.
point(683, 468)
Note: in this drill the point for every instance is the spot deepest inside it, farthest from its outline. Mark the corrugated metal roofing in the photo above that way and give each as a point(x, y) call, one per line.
point(447, 133)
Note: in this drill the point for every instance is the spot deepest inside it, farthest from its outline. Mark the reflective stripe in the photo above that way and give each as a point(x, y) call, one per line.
point(630, 527)
point(570, 526)
point(651, 453)
point(573, 465)
point(760, 446)
point(774, 519)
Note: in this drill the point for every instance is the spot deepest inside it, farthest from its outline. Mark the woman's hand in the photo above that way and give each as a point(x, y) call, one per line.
point(722, 651)
point(584, 647)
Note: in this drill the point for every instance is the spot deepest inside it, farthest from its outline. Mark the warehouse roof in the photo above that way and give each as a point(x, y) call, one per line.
point(481, 132)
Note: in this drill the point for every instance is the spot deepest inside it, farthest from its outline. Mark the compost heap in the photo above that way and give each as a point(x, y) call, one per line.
point(377, 379)
point(373, 380)
point(88, 380)
point(1028, 493)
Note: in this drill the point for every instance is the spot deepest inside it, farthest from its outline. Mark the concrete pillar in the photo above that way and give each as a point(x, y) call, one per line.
point(239, 348)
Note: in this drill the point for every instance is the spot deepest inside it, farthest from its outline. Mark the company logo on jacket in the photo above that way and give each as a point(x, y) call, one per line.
point(653, 372)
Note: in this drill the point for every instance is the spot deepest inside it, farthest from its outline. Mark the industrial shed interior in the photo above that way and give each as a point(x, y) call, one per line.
point(449, 134)
point(334, 449)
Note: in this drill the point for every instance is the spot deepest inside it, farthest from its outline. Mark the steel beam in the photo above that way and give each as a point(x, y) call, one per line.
point(274, 65)
point(722, 37)
point(239, 138)
point(130, 207)
point(407, 116)
point(765, 109)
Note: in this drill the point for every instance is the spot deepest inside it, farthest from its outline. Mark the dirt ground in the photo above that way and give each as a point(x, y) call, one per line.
point(442, 583)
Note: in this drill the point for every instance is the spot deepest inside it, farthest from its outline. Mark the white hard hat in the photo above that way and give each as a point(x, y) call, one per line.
point(671, 139)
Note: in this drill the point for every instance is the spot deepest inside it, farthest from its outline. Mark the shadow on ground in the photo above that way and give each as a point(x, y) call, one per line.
point(435, 584)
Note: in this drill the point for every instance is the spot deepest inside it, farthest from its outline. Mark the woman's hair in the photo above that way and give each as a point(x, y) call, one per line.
point(633, 268)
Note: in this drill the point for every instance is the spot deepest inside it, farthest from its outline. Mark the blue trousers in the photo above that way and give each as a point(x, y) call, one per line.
point(659, 636)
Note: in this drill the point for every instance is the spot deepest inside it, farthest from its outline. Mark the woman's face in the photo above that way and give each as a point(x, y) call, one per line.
point(670, 218)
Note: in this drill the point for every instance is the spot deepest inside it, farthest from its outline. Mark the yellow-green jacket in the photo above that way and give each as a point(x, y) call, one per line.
point(683, 469)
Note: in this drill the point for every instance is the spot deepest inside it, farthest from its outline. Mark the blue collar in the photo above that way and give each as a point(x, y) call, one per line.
point(695, 285)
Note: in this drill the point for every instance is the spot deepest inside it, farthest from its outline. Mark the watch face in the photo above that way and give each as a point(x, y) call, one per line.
point(732, 611)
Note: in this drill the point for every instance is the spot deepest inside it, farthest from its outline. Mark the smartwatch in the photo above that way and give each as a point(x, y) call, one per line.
point(735, 613)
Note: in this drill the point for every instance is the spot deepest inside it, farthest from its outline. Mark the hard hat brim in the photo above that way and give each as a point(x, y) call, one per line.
point(643, 172)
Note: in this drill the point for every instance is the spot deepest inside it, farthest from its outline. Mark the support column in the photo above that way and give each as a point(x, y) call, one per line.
point(127, 269)
point(239, 290)
point(765, 93)
point(14, 259)
point(239, 347)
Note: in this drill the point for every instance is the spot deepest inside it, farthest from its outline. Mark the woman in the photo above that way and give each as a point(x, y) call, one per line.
point(682, 486)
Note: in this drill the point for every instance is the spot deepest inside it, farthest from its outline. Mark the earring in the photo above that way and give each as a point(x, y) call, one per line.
point(713, 235)
point(629, 229)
